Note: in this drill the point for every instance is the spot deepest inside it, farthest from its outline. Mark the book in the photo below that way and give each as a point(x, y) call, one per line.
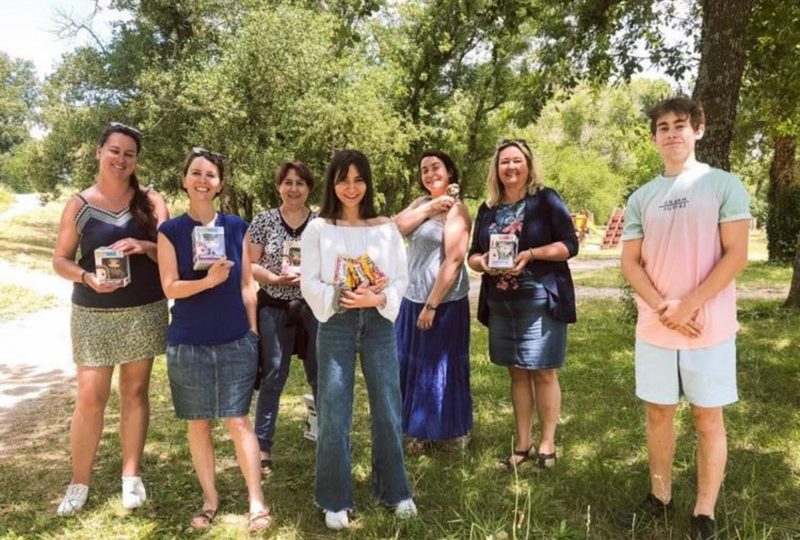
point(290, 260)
point(112, 266)
point(502, 250)
point(208, 246)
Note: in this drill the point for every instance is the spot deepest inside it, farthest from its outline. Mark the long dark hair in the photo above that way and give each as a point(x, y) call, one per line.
point(337, 171)
point(141, 206)
point(448, 162)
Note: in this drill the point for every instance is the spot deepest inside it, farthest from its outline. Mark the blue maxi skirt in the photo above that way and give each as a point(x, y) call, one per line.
point(434, 371)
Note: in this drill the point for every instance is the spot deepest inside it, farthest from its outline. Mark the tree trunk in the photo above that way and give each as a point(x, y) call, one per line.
point(722, 59)
point(793, 300)
point(783, 199)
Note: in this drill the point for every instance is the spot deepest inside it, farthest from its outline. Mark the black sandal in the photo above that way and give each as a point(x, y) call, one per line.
point(510, 463)
point(266, 466)
point(546, 461)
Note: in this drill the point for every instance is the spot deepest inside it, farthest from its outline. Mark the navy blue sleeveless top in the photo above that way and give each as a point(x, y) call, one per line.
point(216, 315)
point(98, 228)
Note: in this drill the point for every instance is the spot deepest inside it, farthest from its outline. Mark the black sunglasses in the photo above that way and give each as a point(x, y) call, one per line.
point(126, 129)
point(200, 151)
point(508, 142)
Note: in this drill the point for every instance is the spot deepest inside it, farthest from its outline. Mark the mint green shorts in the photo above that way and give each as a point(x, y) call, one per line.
point(707, 376)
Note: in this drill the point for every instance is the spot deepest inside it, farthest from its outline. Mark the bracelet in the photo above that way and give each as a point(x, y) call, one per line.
point(531, 252)
point(83, 278)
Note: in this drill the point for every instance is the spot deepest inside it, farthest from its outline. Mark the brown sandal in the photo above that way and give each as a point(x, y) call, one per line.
point(510, 463)
point(258, 521)
point(202, 520)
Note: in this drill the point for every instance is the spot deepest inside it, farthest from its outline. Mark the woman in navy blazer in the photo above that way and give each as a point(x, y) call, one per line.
point(527, 307)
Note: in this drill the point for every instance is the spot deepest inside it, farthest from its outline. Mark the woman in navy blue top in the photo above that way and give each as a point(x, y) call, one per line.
point(527, 307)
point(111, 324)
point(212, 340)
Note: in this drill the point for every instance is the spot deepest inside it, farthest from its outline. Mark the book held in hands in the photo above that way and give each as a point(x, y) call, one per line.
point(208, 246)
point(112, 266)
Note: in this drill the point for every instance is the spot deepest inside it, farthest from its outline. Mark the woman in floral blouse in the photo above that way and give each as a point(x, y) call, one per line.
point(286, 324)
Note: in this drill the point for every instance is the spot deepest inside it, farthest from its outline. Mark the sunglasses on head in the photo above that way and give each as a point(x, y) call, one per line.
point(508, 142)
point(126, 129)
point(200, 151)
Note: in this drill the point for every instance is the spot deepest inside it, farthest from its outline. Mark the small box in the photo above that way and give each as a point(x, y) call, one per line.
point(502, 250)
point(208, 246)
point(112, 266)
point(311, 418)
point(290, 260)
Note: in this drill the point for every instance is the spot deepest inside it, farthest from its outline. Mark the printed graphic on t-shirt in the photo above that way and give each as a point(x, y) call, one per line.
point(674, 204)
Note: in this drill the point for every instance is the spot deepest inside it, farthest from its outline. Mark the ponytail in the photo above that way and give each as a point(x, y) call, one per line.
point(142, 208)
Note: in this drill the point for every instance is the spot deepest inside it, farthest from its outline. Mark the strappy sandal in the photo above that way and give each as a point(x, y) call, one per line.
point(266, 466)
point(510, 463)
point(546, 461)
point(258, 521)
point(203, 519)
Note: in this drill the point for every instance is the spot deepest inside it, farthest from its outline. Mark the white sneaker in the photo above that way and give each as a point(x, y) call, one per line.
point(336, 520)
point(406, 509)
point(73, 500)
point(133, 492)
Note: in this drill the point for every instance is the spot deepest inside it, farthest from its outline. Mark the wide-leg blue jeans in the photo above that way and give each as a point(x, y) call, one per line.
point(366, 332)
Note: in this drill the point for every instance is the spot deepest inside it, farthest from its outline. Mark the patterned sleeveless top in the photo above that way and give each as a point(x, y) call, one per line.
point(98, 228)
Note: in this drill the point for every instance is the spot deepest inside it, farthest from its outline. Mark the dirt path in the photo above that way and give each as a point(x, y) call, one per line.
point(35, 355)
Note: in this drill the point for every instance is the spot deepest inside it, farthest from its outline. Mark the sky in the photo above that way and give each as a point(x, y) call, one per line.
point(27, 29)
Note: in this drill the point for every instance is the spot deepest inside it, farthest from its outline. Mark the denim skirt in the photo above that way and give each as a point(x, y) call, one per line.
point(213, 381)
point(522, 334)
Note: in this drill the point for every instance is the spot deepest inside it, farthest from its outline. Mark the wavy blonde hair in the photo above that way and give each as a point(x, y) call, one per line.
point(494, 187)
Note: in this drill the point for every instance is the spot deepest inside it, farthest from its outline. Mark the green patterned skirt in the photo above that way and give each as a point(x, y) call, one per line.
point(107, 337)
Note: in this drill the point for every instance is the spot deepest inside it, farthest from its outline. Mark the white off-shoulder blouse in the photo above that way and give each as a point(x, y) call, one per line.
point(323, 242)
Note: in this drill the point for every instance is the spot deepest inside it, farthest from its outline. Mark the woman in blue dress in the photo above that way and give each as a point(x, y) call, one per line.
point(432, 329)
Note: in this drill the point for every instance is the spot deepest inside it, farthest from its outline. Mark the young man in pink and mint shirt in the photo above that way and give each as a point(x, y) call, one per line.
point(684, 241)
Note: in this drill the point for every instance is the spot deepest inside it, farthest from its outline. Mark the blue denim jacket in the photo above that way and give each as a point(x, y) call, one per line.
point(547, 220)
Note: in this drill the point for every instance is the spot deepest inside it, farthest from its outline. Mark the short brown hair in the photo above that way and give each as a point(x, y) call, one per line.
point(300, 168)
point(681, 106)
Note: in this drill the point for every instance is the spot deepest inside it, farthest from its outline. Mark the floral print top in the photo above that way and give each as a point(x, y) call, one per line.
point(270, 230)
point(508, 220)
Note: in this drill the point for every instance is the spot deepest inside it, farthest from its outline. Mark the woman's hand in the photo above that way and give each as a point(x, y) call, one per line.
point(425, 319)
point(482, 262)
point(90, 280)
point(129, 246)
point(362, 297)
point(438, 205)
point(218, 272)
point(381, 283)
point(284, 280)
point(520, 262)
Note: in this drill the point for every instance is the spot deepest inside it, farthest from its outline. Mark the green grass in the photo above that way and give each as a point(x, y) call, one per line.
point(6, 198)
point(28, 240)
point(602, 465)
point(16, 301)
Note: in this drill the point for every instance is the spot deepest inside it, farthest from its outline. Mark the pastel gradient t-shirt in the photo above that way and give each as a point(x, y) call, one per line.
point(678, 220)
